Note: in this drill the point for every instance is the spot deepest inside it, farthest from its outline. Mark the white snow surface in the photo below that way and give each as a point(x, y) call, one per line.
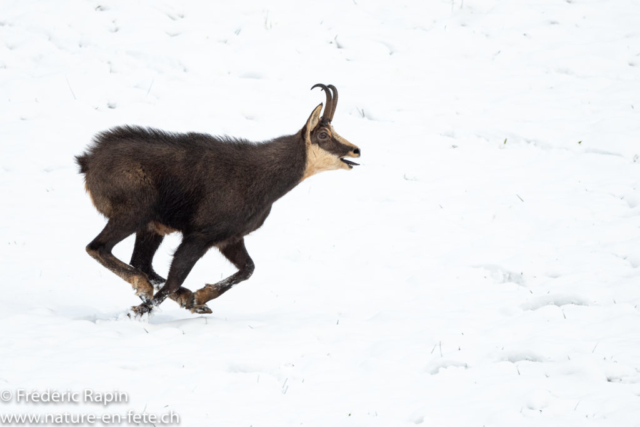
point(480, 268)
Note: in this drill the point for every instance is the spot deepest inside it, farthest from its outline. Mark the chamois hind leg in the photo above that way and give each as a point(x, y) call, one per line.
point(238, 255)
point(100, 248)
point(147, 243)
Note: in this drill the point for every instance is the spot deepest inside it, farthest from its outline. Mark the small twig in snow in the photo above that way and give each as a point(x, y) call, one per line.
point(150, 86)
point(71, 89)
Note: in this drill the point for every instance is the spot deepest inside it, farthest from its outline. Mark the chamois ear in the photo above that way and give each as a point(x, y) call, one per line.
point(313, 121)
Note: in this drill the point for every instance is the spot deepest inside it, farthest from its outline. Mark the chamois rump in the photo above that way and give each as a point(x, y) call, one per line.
point(214, 190)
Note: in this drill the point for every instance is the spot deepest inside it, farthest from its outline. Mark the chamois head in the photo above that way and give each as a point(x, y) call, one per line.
point(326, 150)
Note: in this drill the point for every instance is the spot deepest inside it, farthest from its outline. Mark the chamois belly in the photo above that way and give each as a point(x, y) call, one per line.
point(161, 229)
point(236, 225)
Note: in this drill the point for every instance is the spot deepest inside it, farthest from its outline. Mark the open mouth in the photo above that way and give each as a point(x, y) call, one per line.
point(349, 163)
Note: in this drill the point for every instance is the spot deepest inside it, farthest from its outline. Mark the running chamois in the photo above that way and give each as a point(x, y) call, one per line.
point(213, 190)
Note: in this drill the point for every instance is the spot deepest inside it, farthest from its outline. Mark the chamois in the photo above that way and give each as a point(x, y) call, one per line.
point(214, 190)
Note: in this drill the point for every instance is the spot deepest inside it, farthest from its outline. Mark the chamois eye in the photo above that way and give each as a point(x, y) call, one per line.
point(323, 135)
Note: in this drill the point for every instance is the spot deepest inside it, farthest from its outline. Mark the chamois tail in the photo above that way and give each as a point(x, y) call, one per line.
point(82, 161)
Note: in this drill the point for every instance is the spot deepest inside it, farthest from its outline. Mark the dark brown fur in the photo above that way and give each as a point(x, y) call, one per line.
point(214, 190)
point(188, 182)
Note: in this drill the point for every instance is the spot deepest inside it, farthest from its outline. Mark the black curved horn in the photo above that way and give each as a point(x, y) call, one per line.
point(328, 110)
point(335, 100)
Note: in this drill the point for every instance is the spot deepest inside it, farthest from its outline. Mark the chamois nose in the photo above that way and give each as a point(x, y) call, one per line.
point(356, 151)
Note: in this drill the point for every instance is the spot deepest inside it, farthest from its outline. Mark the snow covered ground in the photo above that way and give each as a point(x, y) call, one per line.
point(481, 268)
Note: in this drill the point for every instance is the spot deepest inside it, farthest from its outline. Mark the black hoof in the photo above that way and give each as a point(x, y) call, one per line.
point(145, 299)
point(140, 310)
point(201, 309)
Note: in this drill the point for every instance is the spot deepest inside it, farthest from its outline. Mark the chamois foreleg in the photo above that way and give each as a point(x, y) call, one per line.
point(147, 243)
point(192, 248)
point(238, 255)
point(100, 248)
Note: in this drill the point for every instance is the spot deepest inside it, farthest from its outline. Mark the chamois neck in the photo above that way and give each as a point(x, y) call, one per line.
point(279, 166)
